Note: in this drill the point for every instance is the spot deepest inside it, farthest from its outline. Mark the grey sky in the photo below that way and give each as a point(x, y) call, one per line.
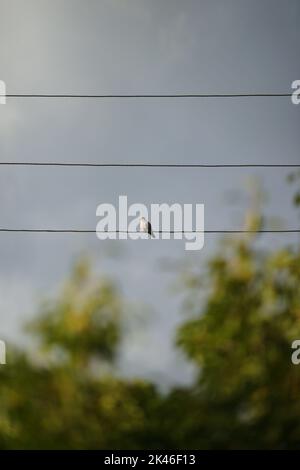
point(137, 46)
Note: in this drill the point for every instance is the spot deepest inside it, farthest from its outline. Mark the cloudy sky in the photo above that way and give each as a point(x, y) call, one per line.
point(138, 46)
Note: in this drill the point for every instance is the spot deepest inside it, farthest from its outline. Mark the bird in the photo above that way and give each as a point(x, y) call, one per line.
point(146, 227)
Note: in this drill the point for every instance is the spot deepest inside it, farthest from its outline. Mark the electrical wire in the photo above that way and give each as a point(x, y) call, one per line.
point(153, 165)
point(150, 95)
point(71, 230)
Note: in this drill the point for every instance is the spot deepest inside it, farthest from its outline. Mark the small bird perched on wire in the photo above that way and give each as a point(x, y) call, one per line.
point(146, 227)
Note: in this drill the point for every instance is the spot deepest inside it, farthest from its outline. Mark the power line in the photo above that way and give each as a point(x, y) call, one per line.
point(71, 230)
point(152, 165)
point(149, 95)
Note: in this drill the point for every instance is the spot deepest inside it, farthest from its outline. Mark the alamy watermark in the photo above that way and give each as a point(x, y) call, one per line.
point(2, 92)
point(2, 353)
point(177, 221)
point(296, 94)
point(295, 358)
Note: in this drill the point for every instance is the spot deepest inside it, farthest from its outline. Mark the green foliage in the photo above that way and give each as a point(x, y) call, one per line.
point(246, 394)
point(68, 397)
point(297, 199)
point(84, 323)
point(295, 178)
point(241, 343)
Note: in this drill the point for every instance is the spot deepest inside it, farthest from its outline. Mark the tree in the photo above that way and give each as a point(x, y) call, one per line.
point(244, 316)
point(247, 389)
point(67, 395)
